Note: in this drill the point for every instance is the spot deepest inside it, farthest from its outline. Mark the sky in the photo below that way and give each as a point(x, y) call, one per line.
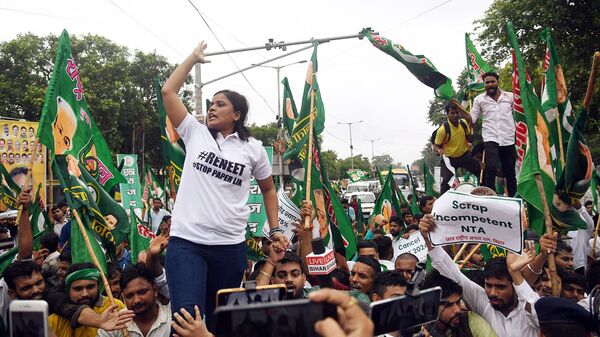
point(358, 82)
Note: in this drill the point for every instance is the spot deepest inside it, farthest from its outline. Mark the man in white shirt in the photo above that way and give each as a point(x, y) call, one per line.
point(59, 218)
point(156, 214)
point(579, 241)
point(498, 132)
point(498, 303)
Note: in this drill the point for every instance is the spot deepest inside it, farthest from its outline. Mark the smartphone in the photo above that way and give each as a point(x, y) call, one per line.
point(292, 318)
point(242, 296)
point(28, 318)
point(405, 312)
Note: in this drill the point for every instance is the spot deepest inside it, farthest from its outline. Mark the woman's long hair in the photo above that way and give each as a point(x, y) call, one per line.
point(240, 104)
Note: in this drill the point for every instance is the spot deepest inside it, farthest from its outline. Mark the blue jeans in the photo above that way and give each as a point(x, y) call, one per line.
point(196, 272)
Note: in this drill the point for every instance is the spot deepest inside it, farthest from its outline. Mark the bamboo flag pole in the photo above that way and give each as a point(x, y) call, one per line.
point(469, 256)
point(28, 177)
point(310, 156)
point(592, 81)
point(460, 252)
point(548, 222)
point(96, 263)
point(560, 138)
point(482, 169)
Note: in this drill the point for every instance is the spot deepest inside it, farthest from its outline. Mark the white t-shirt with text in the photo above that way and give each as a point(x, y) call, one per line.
point(215, 184)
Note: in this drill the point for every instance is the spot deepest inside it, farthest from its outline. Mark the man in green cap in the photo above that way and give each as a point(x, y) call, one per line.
point(83, 286)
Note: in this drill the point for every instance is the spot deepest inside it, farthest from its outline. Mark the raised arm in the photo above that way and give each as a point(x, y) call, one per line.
point(463, 113)
point(24, 236)
point(176, 111)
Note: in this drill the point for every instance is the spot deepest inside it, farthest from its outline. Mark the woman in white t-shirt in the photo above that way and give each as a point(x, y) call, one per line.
point(207, 248)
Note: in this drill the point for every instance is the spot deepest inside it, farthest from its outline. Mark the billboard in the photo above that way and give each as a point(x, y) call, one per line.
point(17, 151)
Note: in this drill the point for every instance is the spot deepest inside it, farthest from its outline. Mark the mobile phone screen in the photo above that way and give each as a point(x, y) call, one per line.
point(27, 324)
point(294, 318)
point(404, 312)
point(251, 296)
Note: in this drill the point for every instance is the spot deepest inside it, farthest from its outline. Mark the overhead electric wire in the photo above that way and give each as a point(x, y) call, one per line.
point(231, 58)
point(145, 28)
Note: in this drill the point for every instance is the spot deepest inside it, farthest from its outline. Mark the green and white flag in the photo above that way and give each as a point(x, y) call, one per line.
point(256, 203)
point(555, 101)
point(298, 143)
point(140, 236)
point(171, 144)
point(476, 66)
point(80, 198)
point(66, 125)
point(537, 158)
point(288, 109)
point(39, 219)
point(9, 190)
point(387, 204)
point(429, 181)
point(358, 175)
point(131, 192)
point(418, 65)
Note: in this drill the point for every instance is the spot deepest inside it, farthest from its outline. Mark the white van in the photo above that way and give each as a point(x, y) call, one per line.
point(367, 201)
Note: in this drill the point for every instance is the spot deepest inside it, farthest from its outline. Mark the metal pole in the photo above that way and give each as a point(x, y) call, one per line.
point(351, 147)
point(198, 92)
point(272, 44)
point(254, 66)
point(279, 126)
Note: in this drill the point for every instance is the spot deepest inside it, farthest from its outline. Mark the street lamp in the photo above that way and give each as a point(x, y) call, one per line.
point(279, 121)
point(351, 147)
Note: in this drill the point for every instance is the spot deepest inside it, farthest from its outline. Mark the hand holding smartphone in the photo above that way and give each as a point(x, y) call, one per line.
point(28, 318)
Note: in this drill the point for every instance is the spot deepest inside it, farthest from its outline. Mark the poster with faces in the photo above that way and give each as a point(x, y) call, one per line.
point(18, 151)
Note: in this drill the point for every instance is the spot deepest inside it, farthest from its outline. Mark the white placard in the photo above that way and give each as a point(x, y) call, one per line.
point(478, 219)
point(415, 244)
point(288, 212)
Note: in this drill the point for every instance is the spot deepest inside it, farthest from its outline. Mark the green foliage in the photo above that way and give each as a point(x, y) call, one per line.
point(118, 87)
point(267, 133)
point(330, 160)
point(383, 161)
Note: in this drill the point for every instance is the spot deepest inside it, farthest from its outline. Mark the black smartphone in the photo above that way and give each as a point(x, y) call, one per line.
point(404, 312)
point(260, 294)
point(293, 318)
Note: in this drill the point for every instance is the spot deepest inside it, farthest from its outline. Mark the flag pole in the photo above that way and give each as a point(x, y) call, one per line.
point(548, 223)
point(482, 169)
point(460, 252)
point(88, 245)
point(28, 177)
point(469, 256)
point(592, 81)
point(310, 155)
point(560, 138)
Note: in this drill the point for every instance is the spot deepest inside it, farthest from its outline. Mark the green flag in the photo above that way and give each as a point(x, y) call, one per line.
point(387, 204)
point(66, 125)
point(358, 175)
point(39, 219)
point(288, 109)
point(594, 188)
point(298, 143)
point(418, 65)
point(490, 251)
point(476, 66)
point(79, 198)
point(172, 146)
point(577, 176)
point(555, 98)
point(9, 190)
point(360, 219)
point(332, 219)
point(429, 180)
point(140, 236)
point(537, 158)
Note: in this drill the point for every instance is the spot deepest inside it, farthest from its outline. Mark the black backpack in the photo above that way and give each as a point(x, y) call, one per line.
point(462, 122)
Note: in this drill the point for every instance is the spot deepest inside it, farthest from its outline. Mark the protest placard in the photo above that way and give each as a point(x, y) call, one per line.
point(288, 212)
point(478, 219)
point(415, 244)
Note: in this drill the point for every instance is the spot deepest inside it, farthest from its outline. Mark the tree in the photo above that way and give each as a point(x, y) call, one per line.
point(383, 161)
point(119, 87)
point(329, 159)
point(267, 133)
point(360, 162)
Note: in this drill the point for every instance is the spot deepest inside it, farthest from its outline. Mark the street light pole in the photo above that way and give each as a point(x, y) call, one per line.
point(279, 111)
point(351, 147)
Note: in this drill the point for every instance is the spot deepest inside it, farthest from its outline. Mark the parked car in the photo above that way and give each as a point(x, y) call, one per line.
point(367, 201)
